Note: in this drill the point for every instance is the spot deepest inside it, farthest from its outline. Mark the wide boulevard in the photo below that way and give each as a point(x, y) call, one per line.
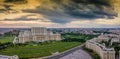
point(74, 53)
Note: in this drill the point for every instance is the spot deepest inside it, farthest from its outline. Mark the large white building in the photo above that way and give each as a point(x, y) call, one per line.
point(37, 34)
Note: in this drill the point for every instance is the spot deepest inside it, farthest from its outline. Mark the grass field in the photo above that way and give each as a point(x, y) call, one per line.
point(6, 39)
point(38, 50)
point(75, 36)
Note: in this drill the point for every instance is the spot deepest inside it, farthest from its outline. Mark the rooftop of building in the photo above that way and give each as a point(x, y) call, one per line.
point(101, 46)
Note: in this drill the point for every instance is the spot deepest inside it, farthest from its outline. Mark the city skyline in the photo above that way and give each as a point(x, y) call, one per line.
point(59, 14)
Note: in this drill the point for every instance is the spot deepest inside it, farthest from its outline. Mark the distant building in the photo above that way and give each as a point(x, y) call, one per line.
point(9, 57)
point(15, 32)
point(37, 34)
point(115, 40)
point(115, 31)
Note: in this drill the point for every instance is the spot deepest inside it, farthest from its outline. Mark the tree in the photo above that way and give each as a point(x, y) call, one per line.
point(8, 33)
point(117, 48)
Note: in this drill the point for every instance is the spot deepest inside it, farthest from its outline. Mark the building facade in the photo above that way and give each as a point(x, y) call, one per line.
point(105, 53)
point(9, 57)
point(37, 34)
point(100, 48)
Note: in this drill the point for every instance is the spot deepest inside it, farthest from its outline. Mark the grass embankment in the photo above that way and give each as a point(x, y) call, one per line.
point(6, 39)
point(38, 50)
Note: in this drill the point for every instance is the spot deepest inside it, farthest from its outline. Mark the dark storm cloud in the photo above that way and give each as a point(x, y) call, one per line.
point(26, 18)
point(97, 2)
point(16, 1)
point(76, 9)
point(89, 11)
point(64, 11)
point(6, 7)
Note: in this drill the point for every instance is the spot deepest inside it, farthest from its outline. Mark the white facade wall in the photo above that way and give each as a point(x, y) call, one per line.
point(38, 34)
point(24, 36)
point(9, 57)
point(101, 50)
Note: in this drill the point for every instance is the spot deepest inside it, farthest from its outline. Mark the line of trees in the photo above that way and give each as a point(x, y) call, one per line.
point(8, 33)
point(74, 40)
point(82, 39)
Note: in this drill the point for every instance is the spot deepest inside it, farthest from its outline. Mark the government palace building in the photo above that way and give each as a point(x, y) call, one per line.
point(37, 34)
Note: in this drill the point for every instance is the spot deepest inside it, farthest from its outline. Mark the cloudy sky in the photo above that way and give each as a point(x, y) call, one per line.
point(60, 13)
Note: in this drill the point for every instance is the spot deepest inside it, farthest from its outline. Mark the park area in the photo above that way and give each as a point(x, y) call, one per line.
point(38, 50)
point(42, 49)
point(5, 39)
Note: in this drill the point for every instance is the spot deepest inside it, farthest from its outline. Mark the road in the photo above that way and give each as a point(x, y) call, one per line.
point(79, 54)
point(75, 53)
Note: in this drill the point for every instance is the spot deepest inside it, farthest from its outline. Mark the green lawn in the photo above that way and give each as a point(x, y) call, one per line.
point(6, 39)
point(74, 36)
point(38, 50)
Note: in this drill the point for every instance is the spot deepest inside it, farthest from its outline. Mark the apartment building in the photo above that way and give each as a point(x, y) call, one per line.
point(105, 53)
point(96, 45)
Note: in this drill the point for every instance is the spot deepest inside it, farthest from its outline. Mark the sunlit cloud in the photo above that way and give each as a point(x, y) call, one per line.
point(59, 13)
